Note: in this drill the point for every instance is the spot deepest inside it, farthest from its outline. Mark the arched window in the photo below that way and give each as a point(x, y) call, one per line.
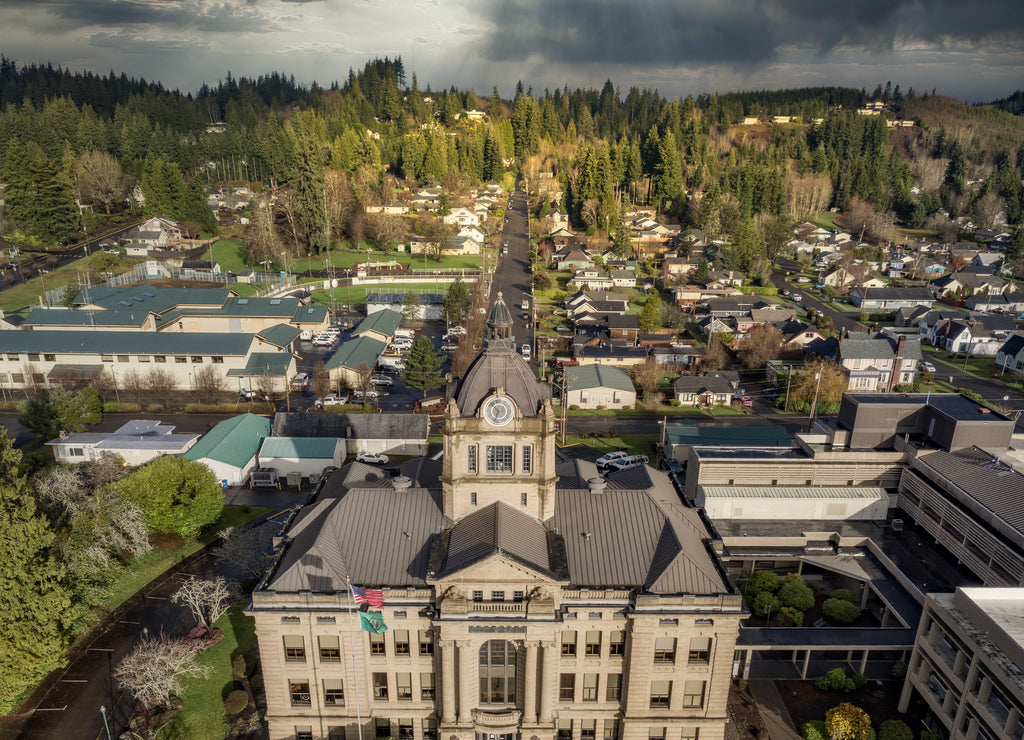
point(497, 672)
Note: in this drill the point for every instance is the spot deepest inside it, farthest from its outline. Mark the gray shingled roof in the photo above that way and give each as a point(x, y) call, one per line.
point(881, 346)
point(363, 426)
point(497, 528)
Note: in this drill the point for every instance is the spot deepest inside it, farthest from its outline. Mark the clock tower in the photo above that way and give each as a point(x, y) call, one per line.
point(499, 431)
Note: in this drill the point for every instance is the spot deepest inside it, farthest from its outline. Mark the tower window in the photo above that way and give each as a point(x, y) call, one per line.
point(522, 499)
point(527, 459)
point(499, 458)
point(472, 499)
point(471, 458)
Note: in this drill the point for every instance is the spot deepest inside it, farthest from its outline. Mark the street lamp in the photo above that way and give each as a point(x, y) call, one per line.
point(106, 725)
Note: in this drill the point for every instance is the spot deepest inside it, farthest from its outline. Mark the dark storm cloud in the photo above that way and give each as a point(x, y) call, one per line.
point(222, 17)
point(733, 32)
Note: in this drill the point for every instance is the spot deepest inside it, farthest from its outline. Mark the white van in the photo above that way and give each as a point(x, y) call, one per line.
point(391, 364)
point(405, 334)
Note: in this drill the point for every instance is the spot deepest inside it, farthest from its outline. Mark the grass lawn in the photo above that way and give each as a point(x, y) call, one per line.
point(147, 567)
point(342, 260)
point(355, 295)
point(634, 444)
point(19, 297)
point(231, 255)
point(982, 367)
point(202, 712)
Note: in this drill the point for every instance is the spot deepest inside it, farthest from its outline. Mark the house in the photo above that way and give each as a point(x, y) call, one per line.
point(691, 295)
point(677, 268)
point(724, 279)
point(838, 277)
point(391, 209)
point(1012, 303)
point(911, 316)
point(596, 386)
point(986, 263)
point(391, 434)
point(890, 299)
point(684, 355)
point(572, 258)
point(622, 327)
point(970, 283)
point(873, 282)
point(879, 362)
point(622, 278)
point(231, 448)
point(1011, 354)
point(379, 325)
point(610, 354)
point(959, 335)
point(796, 335)
point(713, 389)
point(472, 232)
point(200, 268)
point(591, 278)
point(135, 443)
point(353, 357)
point(926, 324)
point(154, 233)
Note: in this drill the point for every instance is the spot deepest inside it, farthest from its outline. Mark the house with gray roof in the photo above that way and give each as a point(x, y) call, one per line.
point(879, 362)
point(1011, 354)
point(136, 443)
point(890, 299)
point(595, 386)
point(1000, 303)
point(971, 283)
point(713, 389)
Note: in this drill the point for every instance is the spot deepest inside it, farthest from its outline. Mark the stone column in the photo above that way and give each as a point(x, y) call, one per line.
point(467, 680)
point(530, 684)
point(447, 681)
point(548, 681)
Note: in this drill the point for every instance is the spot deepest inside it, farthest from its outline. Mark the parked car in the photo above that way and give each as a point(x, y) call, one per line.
point(456, 330)
point(301, 380)
point(381, 380)
point(927, 367)
point(745, 400)
point(449, 347)
point(608, 458)
point(630, 461)
point(526, 352)
point(323, 340)
point(373, 458)
point(332, 399)
point(370, 394)
point(248, 394)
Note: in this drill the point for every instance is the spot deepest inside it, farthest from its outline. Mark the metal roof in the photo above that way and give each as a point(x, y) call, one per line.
point(598, 376)
point(730, 436)
point(989, 481)
point(136, 435)
point(500, 366)
point(70, 317)
point(280, 335)
point(383, 322)
point(310, 314)
point(233, 441)
point(275, 364)
point(300, 447)
point(74, 341)
point(497, 528)
point(789, 492)
point(355, 352)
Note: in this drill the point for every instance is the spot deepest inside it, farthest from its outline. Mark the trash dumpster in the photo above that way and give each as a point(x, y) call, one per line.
point(294, 480)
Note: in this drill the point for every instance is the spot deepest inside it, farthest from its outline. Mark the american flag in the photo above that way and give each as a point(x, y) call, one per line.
point(371, 596)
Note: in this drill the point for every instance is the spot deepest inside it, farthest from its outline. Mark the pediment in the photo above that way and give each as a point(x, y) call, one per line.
point(499, 568)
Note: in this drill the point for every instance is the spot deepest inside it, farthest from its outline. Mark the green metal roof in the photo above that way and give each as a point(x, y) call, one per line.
point(274, 364)
point(598, 376)
point(310, 314)
point(280, 335)
point(729, 436)
point(233, 441)
point(150, 297)
point(384, 322)
point(301, 447)
point(69, 317)
point(353, 353)
point(74, 341)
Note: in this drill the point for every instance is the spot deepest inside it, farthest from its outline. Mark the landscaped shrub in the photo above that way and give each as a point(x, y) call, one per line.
point(796, 594)
point(899, 671)
point(795, 614)
point(840, 611)
point(835, 680)
point(845, 594)
point(238, 668)
point(236, 702)
point(895, 729)
point(813, 730)
point(762, 580)
point(765, 604)
point(859, 680)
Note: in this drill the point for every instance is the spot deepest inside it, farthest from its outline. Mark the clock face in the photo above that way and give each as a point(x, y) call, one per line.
point(499, 411)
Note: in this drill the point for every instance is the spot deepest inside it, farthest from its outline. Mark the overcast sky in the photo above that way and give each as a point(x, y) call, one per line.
point(970, 49)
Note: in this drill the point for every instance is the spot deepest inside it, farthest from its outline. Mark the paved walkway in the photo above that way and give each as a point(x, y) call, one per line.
point(773, 711)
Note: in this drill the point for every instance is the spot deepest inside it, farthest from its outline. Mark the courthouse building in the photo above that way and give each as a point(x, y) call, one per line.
point(525, 594)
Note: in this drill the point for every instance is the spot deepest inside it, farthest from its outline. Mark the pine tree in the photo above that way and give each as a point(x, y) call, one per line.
point(668, 171)
point(456, 302)
point(423, 366)
point(34, 600)
point(650, 315)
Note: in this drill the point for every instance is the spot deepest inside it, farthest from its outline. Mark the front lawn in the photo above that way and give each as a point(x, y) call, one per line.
point(634, 444)
point(231, 256)
point(355, 295)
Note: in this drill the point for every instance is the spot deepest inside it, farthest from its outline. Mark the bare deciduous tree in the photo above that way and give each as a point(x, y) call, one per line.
point(161, 383)
point(363, 375)
point(154, 669)
point(264, 243)
point(62, 488)
point(386, 230)
point(945, 229)
point(321, 379)
point(135, 385)
point(101, 181)
point(715, 356)
point(245, 548)
point(763, 344)
point(207, 600)
point(107, 468)
point(807, 195)
point(209, 384)
point(987, 208)
point(647, 375)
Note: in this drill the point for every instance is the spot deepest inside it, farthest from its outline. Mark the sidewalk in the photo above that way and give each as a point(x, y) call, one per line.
point(773, 711)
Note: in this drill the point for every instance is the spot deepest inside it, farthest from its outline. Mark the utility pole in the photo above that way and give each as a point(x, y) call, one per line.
point(565, 406)
point(789, 382)
point(814, 403)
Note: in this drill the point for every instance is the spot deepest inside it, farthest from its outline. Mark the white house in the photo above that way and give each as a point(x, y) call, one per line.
point(462, 217)
point(593, 386)
point(231, 448)
point(136, 443)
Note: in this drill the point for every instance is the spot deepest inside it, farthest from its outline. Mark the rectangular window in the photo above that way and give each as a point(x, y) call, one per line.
point(17, 378)
point(665, 650)
point(517, 596)
point(661, 694)
point(180, 360)
point(405, 729)
point(478, 596)
point(304, 733)
point(567, 687)
point(589, 730)
point(590, 687)
point(564, 729)
point(381, 727)
point(159, 358)
point(13, 357)
point(335, 733)
point(611, 729)
point(380, 686)
point(427, 690)
point(330, 649)
point(299, 691)
point(656, 733)
point(426, 642)
point(430, 729)
point(569, 643)
point(401, 642)
point(106, 358)
point(403, 686)
point(294, 649)
point(197, 360)
point(527, 459)
point(700, 651)
point(472, 499)
point(522, 499)
point(593, 643)
point(142, 358)
point(123, 358)
point(325, 620)
point(693, 694)
point(33, 357)
point(499, 458)
point(376, 644)
point(613, 687)
point(334, 692)
point(471, 458)
point(497, 595)
point(289, 620)
point(217, 360)
point(50, 358)
point(691, 733)
point(617, 643)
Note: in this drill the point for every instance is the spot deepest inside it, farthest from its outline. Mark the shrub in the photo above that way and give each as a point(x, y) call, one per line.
point(574, 407)
point(238, 668)
point(236, 702)
point(835, 680)
point(795, 614)
point(113, 406)
point(601, 407)
point(813, 730)
point(845, 594)
point(859, 680)
point(840, 611)
point(795, 593)
point(765, 604)
point(762, 580)
point(899, 671)
point(895, 729)
point(929, 735)
point(848, 722)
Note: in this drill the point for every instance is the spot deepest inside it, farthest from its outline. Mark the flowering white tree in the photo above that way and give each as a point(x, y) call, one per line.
point(207, 600)
point(154, 669)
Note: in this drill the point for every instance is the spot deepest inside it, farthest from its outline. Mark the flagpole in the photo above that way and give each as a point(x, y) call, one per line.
point(355, 663)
